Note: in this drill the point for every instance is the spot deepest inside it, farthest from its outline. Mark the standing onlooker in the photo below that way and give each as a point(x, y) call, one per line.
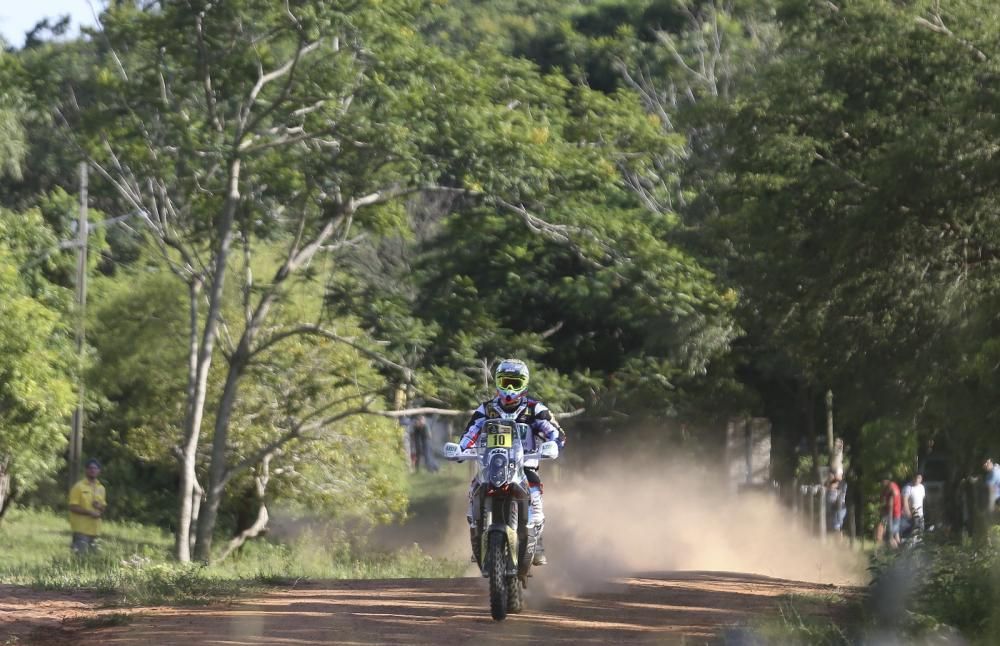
point(892, 510)
point(429, 460)
point(419, 438)
point(992, 480)
point(87, 502)
point(836, 502)
point(913, 502)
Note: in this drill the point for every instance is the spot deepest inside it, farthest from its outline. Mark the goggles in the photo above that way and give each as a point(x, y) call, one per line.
point(511, 382)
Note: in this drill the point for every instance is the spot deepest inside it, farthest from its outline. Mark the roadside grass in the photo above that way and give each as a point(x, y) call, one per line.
point(820, 618)
point(793, 627)
point(818, 600)
point(134, 566)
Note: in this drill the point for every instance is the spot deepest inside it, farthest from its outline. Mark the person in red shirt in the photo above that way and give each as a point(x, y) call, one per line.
point(892, 511)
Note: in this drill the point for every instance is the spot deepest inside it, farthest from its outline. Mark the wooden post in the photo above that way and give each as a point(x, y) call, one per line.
point(812, 511)
point(829, 426)
point(76, 435)
point(821, 493)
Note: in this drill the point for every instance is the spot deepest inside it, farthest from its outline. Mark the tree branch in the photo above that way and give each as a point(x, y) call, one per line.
point(316, 330)
point(559, 233)
point(206, 73)
point(260, 523)
point(263, 79)
point(938, 26)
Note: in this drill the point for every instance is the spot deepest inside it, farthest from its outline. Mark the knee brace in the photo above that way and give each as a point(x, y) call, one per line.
point(536, 512)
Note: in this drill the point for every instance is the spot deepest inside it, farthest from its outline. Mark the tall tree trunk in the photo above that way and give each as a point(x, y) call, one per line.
point(197, 497)
point(188, 454)
point(198, 390)
point(6, 494)
point(182, 540)
point(218, 469)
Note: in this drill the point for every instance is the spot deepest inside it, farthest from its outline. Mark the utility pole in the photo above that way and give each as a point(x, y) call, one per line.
point(76, 435)
point(835, 445)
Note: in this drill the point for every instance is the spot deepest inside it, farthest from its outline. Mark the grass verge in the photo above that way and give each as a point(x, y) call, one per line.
point(807, 620)
point(134, 567)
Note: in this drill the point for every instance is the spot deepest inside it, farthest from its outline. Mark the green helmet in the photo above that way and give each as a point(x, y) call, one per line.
point(511, 378)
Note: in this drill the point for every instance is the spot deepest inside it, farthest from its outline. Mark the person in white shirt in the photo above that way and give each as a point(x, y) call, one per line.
point(913, 502)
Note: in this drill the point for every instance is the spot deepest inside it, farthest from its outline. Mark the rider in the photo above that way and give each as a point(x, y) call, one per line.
point(511, 379)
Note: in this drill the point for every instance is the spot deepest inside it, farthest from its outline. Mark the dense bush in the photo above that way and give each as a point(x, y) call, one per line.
point(935, 585)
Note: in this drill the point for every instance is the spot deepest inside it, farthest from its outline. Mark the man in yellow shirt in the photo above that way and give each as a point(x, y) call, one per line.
point(87, 502)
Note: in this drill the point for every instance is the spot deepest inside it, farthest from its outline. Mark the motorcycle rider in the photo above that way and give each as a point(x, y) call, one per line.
point(512, 402)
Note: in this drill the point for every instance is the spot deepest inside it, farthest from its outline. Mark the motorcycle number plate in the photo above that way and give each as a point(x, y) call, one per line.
point(498, 440)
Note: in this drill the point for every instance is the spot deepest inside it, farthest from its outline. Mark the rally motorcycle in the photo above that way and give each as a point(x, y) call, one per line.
point(503, 543)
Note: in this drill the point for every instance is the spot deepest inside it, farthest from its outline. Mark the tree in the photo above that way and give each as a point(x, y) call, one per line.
point(136, 379)
point(12, 135)
point(244, 123)
point(855, 202)
point(36, 387)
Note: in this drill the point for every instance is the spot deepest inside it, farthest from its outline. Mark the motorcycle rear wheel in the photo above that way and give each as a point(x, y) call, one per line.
point(498, 576)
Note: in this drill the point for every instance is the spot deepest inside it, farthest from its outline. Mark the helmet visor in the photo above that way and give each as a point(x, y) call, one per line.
point(512, 382)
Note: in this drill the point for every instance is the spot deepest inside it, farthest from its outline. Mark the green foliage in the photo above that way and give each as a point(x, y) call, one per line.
point(36, 367)
point(839, 176)
point(888, 447)
point(139, 333)
point(600, 286)
point(943, 585)
point(13, 139)
point(138, 330)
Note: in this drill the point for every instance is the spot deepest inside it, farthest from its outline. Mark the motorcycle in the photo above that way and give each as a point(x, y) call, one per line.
point(503, 542)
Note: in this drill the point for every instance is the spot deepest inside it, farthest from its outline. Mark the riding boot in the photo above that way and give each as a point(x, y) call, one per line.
point(539, 557)
point(536, 516)
point(474, 540)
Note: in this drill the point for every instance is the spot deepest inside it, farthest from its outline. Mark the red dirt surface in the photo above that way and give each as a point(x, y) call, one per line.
point(693, 607)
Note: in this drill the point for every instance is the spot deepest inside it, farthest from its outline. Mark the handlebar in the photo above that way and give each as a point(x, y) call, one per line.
point(452, 451)
point(467, 454)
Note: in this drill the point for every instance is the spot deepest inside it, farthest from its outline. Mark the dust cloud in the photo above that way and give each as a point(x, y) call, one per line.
point(618, 518)
point(615, 518)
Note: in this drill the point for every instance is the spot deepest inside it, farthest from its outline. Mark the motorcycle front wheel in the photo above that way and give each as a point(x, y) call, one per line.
point(497, 555)
point(515, 595)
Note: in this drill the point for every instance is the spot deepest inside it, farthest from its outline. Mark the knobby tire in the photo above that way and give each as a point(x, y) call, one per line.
point(498, 576)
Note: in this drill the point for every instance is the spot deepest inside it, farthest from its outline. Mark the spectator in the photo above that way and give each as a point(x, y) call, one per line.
point(420, 444)
point(913, 502)
point(407, 447)
point(429, 460)
point(905, 522)
point(992, 480)
point(87, 502)
point(836, 502)
point(892, 510)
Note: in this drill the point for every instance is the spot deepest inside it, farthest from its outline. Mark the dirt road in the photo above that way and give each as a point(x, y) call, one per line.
point(693, 607)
